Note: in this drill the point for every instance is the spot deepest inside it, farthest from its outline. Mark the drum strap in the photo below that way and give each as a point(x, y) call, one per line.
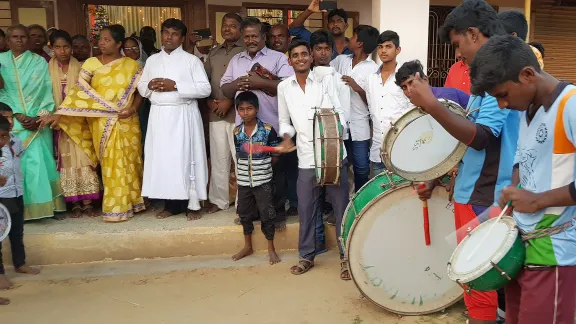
point(545, 232)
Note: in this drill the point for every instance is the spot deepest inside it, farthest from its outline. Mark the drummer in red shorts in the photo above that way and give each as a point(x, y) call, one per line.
point(490, 133)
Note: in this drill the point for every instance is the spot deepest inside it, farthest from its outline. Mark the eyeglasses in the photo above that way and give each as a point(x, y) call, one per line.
point(132, 49)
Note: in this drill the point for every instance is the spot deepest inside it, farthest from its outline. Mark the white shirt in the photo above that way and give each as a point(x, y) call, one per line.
point(386, 103)
point(298, 106)
point(359, 116)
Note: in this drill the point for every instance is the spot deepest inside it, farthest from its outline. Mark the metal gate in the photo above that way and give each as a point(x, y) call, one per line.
point(440, 55)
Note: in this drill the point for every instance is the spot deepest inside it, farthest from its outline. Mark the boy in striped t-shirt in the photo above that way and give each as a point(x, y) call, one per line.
point(545, 206)
point(254, 174)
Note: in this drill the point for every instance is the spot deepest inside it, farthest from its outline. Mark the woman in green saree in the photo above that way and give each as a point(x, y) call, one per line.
point(28, 91)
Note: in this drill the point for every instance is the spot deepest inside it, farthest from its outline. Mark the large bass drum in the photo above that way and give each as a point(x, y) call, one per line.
point(382, 232)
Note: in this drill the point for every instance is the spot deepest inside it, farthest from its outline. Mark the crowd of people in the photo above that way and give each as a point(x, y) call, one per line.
point(122, 124)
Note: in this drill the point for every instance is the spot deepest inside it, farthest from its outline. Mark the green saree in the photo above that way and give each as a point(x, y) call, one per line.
point(28, 91)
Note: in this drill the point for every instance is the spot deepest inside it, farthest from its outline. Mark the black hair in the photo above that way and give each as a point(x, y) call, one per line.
point(514, 22)
point(118, 33)
point(321, 36)
point(233, 15)
point(80, 37)
point(368, 35)
point(253, 22)
point(409, 69)
point(60, 34)
point(2, 34)
point(538, 46)
point(4, 124)
point(176, 24)
point(296, 43)
point(389, 36)
point(36, 26)
point(501, 59)
point(4, 107)
point(472, 13)
point(338, 12)
point(132, 38)
point(248, 97)
point(148, 29)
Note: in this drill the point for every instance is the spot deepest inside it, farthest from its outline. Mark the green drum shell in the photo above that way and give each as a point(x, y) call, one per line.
point(511, 263)
point(377, 186)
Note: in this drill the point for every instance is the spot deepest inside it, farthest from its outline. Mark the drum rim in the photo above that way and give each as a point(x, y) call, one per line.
point(359, 214)
point(400, 124)
point(496, 258)
point(3, 236)
point(317, 122)
point(347, 258)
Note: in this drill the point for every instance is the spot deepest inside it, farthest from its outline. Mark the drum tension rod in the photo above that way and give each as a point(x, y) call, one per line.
point(464, 287)
point(502, 272)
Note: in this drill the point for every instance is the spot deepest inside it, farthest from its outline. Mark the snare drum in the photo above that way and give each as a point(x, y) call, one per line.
point(382, 232)
point(495, 263)
point(328, 146)
point(418, 148)
point(5, 222)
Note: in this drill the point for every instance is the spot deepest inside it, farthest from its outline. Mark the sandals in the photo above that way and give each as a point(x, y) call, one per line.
point(302, 267)
point(344, 271)
point(76, 211)
point(89, 210)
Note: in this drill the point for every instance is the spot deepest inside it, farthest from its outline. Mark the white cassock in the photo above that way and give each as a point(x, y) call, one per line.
point(175, 154)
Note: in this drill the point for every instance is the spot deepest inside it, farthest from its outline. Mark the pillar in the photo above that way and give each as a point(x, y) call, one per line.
point(409, 18)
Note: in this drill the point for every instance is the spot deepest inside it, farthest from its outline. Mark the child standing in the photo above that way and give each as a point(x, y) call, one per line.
point(544, 208)
point(254, 169)
point(11, 190)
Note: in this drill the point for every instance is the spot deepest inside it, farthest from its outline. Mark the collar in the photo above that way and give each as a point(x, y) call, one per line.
point(263, 51)
point(309, 77)
point(559, 88)
point(379, 71)
point(177, 50)
point(259, 124)
point(238, 43)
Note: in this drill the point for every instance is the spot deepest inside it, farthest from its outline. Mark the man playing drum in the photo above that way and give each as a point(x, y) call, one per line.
point(298, 98)
point(490, 133)
point(545, 207)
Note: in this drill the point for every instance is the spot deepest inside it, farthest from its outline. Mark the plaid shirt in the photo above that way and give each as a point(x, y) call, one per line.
point(10, 168)
point(254, 168)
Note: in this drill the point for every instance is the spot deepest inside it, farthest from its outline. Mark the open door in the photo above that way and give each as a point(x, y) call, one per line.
point(28, 12)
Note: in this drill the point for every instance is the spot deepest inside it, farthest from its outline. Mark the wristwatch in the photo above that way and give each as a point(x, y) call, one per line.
point(175, 86)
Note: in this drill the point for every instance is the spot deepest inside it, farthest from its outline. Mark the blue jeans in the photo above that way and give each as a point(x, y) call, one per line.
point(359, 157)
point(378, 167)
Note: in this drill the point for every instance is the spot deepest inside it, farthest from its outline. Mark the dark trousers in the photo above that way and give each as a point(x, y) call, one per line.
point(359, 157)
point(280, 187)
point(308, 205)
point(292, 178)
point(16, 208)
point(176, 207)
point(257, 200)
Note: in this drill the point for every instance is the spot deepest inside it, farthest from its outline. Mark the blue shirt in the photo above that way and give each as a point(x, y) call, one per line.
point(484, 173)
point(304, 34)
point(458, 96)
point(10, 168)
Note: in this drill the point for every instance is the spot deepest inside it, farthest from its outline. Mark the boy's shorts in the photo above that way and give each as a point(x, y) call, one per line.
point(543, 295)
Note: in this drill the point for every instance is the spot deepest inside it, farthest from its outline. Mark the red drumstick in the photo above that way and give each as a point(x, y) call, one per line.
point(257, 148)
point(426, 218)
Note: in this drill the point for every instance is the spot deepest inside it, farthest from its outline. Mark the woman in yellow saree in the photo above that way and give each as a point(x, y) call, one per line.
point(100, 115)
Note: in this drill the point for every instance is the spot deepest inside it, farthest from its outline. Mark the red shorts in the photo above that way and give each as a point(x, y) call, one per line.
point(481, 305)
point(542, 296)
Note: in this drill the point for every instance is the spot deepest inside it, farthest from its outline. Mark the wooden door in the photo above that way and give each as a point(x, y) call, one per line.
point(28, 12)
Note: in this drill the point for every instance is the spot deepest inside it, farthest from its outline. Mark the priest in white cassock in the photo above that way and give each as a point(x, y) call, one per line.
point(175, 167)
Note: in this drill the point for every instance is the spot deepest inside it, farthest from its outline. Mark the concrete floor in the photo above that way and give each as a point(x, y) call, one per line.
point(198, 290)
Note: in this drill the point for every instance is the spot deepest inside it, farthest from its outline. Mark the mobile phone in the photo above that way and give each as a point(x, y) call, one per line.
point(204, 33)
point(328, 5)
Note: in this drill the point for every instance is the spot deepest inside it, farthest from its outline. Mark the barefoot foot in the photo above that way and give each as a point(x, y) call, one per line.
point(246, 251)
point(163, 214)
point(5, 283)
point(213, 209)
point(4, 301)
point(27, 270)
point(193, 215)
point(274, 258)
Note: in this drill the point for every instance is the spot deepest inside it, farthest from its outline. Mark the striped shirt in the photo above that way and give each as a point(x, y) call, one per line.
point(254, 168)
point(546, 158)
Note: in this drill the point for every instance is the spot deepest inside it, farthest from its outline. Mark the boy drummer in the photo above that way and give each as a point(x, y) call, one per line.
point(545, 207)
point(490, 133)
point(297, 97)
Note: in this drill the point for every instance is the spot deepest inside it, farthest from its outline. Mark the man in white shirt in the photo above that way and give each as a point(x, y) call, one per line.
point(355, 68)
point(298, 96)
point(386, 101)
point(175, 168)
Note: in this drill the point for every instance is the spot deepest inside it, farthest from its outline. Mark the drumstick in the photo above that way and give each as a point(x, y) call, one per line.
point(426, 218)
point(257, 148)
point(508, 204)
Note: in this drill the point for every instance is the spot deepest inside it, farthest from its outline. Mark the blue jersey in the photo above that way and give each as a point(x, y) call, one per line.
point(484, 173)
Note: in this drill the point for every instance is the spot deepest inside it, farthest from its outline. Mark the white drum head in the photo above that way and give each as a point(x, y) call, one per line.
point(5, 222)
point(465, 266)
point(418, 148)
point(388, 257)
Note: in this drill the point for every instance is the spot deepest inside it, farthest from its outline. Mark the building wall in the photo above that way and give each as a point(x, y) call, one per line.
point(5, 15)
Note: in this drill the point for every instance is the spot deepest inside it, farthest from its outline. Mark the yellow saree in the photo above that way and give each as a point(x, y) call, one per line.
point(100, 93)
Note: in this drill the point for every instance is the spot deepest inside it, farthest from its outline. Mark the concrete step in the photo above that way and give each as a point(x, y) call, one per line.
point(49, 241)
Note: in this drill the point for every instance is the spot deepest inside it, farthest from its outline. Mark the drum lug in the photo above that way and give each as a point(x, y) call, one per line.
point(502, 272)
point(464, 287)
point(393, 128)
